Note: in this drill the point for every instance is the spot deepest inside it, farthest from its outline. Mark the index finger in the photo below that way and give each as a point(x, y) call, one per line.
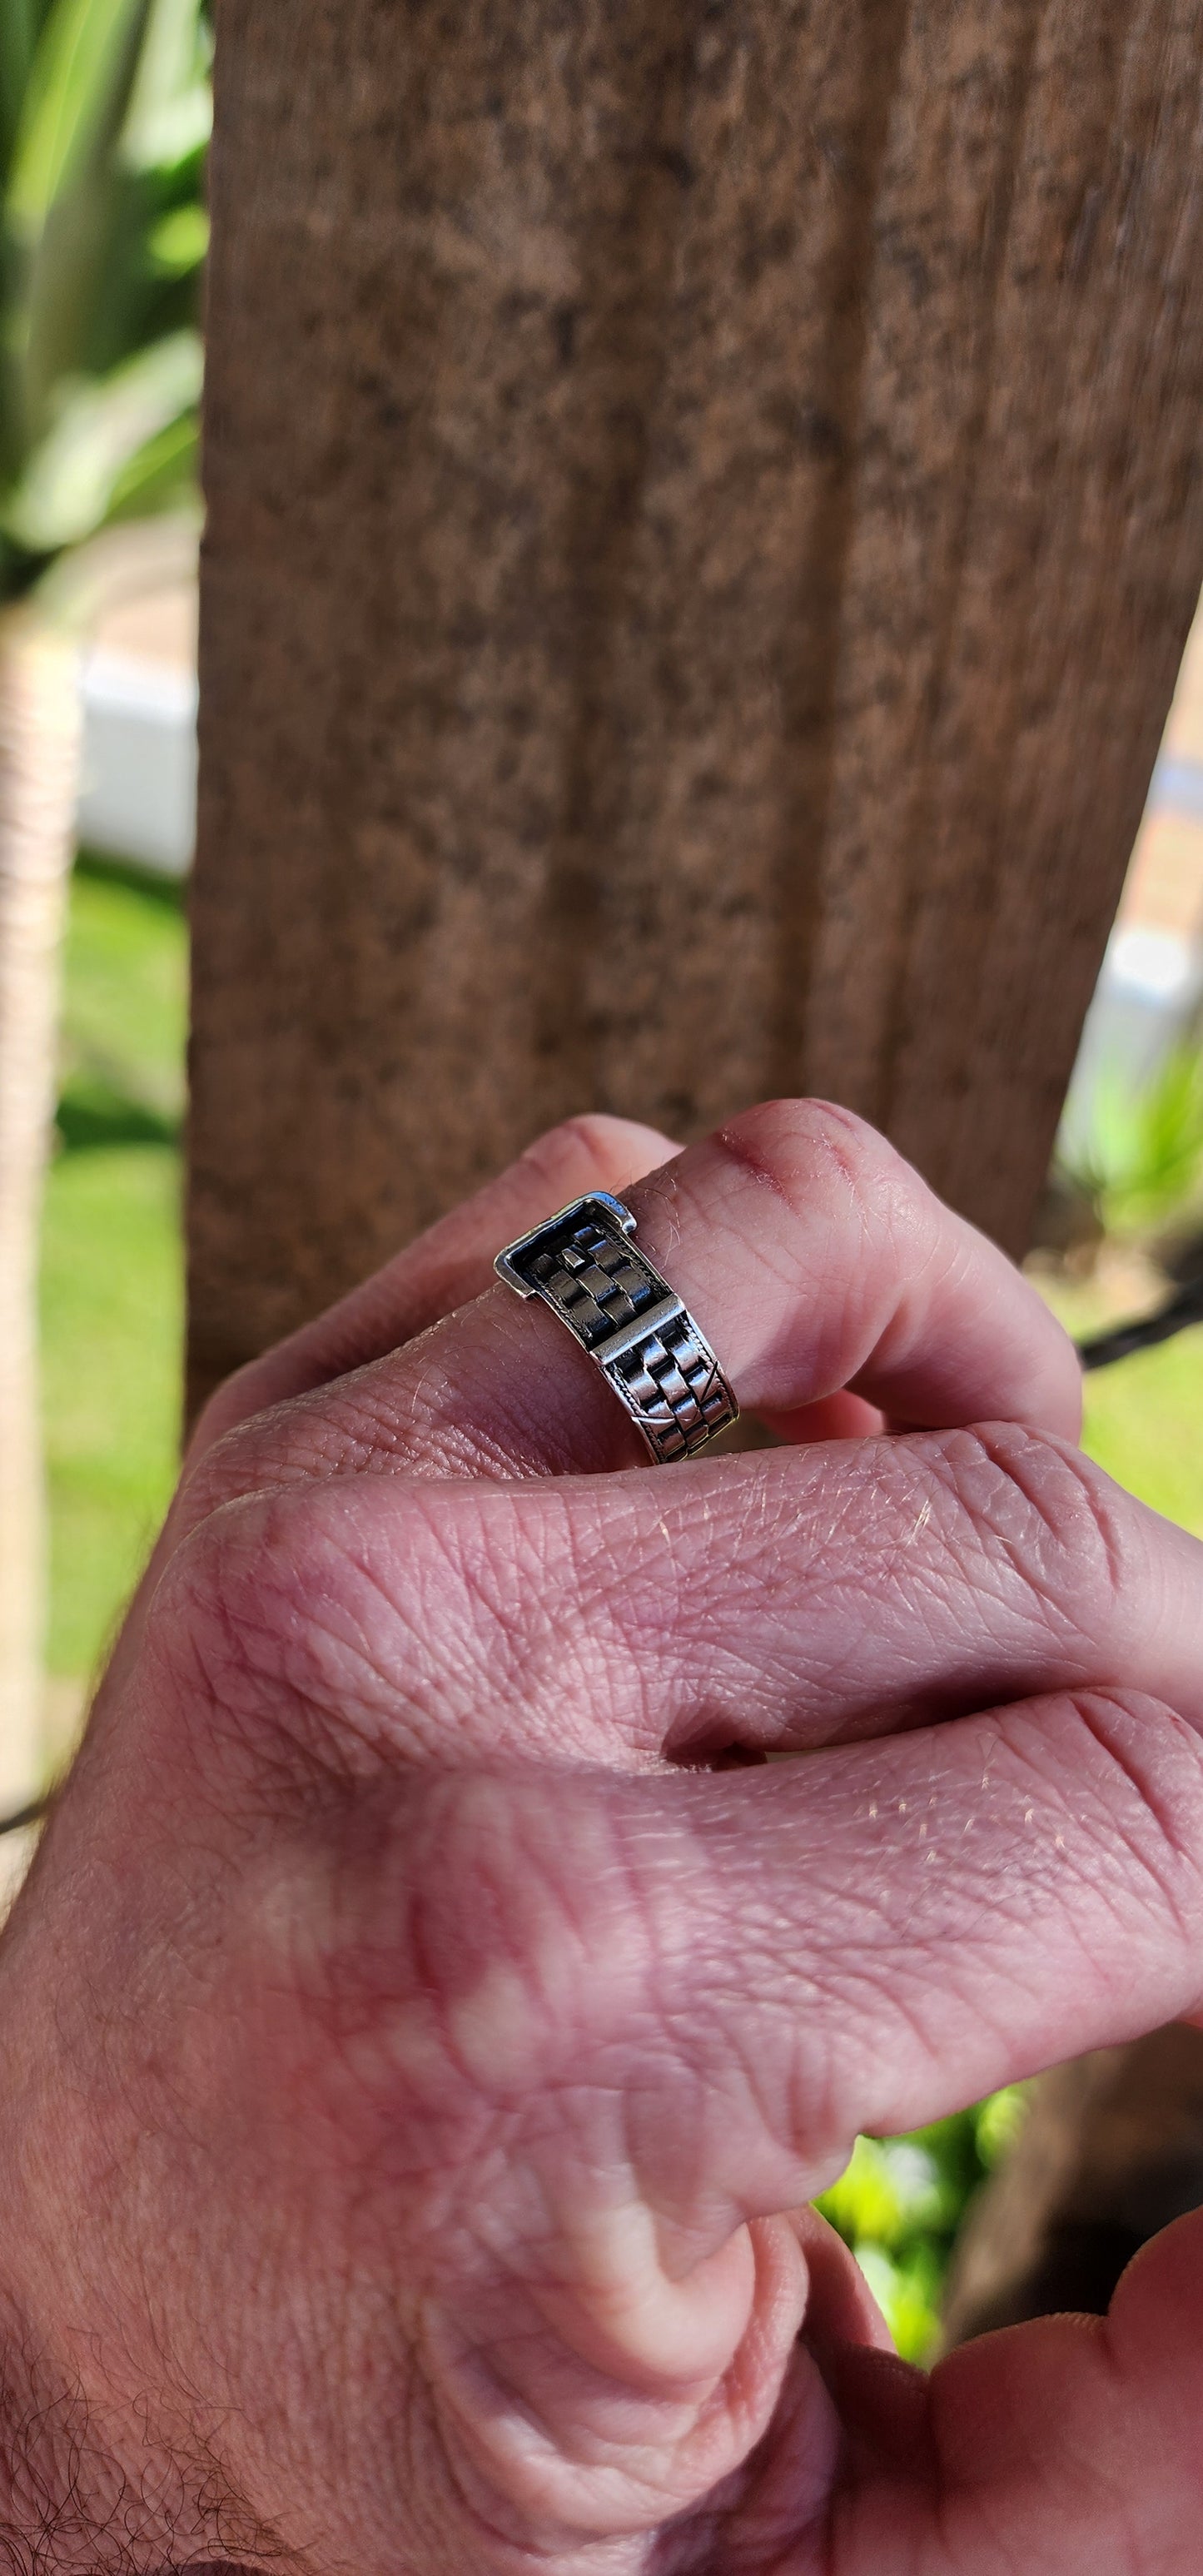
point(446, 1267)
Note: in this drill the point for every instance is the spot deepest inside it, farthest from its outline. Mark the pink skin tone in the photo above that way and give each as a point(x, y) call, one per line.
point(418, 2057)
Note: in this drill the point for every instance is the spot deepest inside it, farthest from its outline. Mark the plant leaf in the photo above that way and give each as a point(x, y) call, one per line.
point(177, 130)
point(178, 242)
point(160, 473)
point(1143, 1155)
point(170, 113)
point(17, 40)
point(82, 55)
point(83, 467)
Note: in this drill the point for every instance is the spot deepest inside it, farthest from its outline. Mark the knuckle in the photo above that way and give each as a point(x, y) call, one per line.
point(1131, 1828)
point(1046, 1517)
point(308, 1619)
point(1148, 1766)
point(798, 1147)
point(591, 1148)
point(226, 1603)
point(300, 1440)
point(514, 1891)
point(256, 1633)
point(234, 1462)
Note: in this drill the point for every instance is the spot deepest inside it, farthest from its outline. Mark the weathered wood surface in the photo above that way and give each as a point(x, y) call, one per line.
point(705, 510)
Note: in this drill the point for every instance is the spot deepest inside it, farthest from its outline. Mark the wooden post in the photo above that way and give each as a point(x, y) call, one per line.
point(1112, 2151)
point(705, 511)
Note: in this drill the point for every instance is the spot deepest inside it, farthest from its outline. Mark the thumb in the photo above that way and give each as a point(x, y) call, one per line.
point(1072, 2446)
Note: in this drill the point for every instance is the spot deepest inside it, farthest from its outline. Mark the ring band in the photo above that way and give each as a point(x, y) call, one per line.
point(583, 1265)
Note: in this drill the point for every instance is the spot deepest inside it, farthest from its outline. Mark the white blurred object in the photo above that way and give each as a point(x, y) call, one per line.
point(130, 597)
point(1177, 787)
point(1147, 998)
point(1149, 995)
point(138, 767)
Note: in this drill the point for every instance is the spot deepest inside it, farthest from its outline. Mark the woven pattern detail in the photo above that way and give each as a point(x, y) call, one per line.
point(587, 1269)
point(597, 1281)
point(674, 1387)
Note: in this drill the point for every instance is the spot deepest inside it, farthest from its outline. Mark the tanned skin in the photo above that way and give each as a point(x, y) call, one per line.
point(419, 2043)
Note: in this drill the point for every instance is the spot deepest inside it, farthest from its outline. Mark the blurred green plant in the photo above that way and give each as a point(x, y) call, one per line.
point(112, 1255)
point(1142, 1158)
point(900, 2202)
point(105, 111)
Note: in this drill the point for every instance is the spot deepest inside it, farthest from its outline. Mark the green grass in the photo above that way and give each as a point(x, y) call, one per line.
point(1144, 1424)
point(112, 1317)
point(112, 1325)
point(1144, 1417)
point(124, 1009)
point(111, 1254)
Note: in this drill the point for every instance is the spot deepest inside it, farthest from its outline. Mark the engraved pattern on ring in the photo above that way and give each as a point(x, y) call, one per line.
point(583, 1264)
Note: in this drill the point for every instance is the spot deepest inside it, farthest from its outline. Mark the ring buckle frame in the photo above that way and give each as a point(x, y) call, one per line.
point(584, 1264)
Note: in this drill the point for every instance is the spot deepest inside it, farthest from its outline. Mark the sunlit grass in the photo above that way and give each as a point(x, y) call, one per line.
point(1144, 1417)
point(900, 2202)
point(111, 1255)
point(124, 1006)
point(112, 1317)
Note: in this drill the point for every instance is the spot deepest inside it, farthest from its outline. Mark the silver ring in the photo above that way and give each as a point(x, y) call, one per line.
point(583, 1265)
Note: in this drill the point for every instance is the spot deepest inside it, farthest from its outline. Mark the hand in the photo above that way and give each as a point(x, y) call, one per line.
point(418, 2054)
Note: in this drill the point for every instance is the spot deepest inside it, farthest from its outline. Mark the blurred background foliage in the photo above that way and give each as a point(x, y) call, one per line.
point(901, 2201)
point(105, 112)
point(1140, 1164)
point(112, 1265)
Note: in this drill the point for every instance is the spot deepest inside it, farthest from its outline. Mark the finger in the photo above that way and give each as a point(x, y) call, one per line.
point(766, 1962)
point(768, 1603)
point(832, 1417)
point(910, 1925)
point(1067, 2447)
point(813, 1258)
point(840, 2306)
point(445, 1268)
point(712, 1984)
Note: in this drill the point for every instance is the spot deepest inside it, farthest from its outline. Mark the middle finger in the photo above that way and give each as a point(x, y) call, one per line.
point(771, 1602)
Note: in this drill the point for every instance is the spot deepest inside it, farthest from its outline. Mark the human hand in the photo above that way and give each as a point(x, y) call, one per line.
point(417, 2057)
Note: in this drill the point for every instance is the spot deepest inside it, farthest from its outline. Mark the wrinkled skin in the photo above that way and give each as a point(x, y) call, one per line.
point(420, 2046)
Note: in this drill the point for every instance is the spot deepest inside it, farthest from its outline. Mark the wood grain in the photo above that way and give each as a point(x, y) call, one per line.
point(704, 514)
